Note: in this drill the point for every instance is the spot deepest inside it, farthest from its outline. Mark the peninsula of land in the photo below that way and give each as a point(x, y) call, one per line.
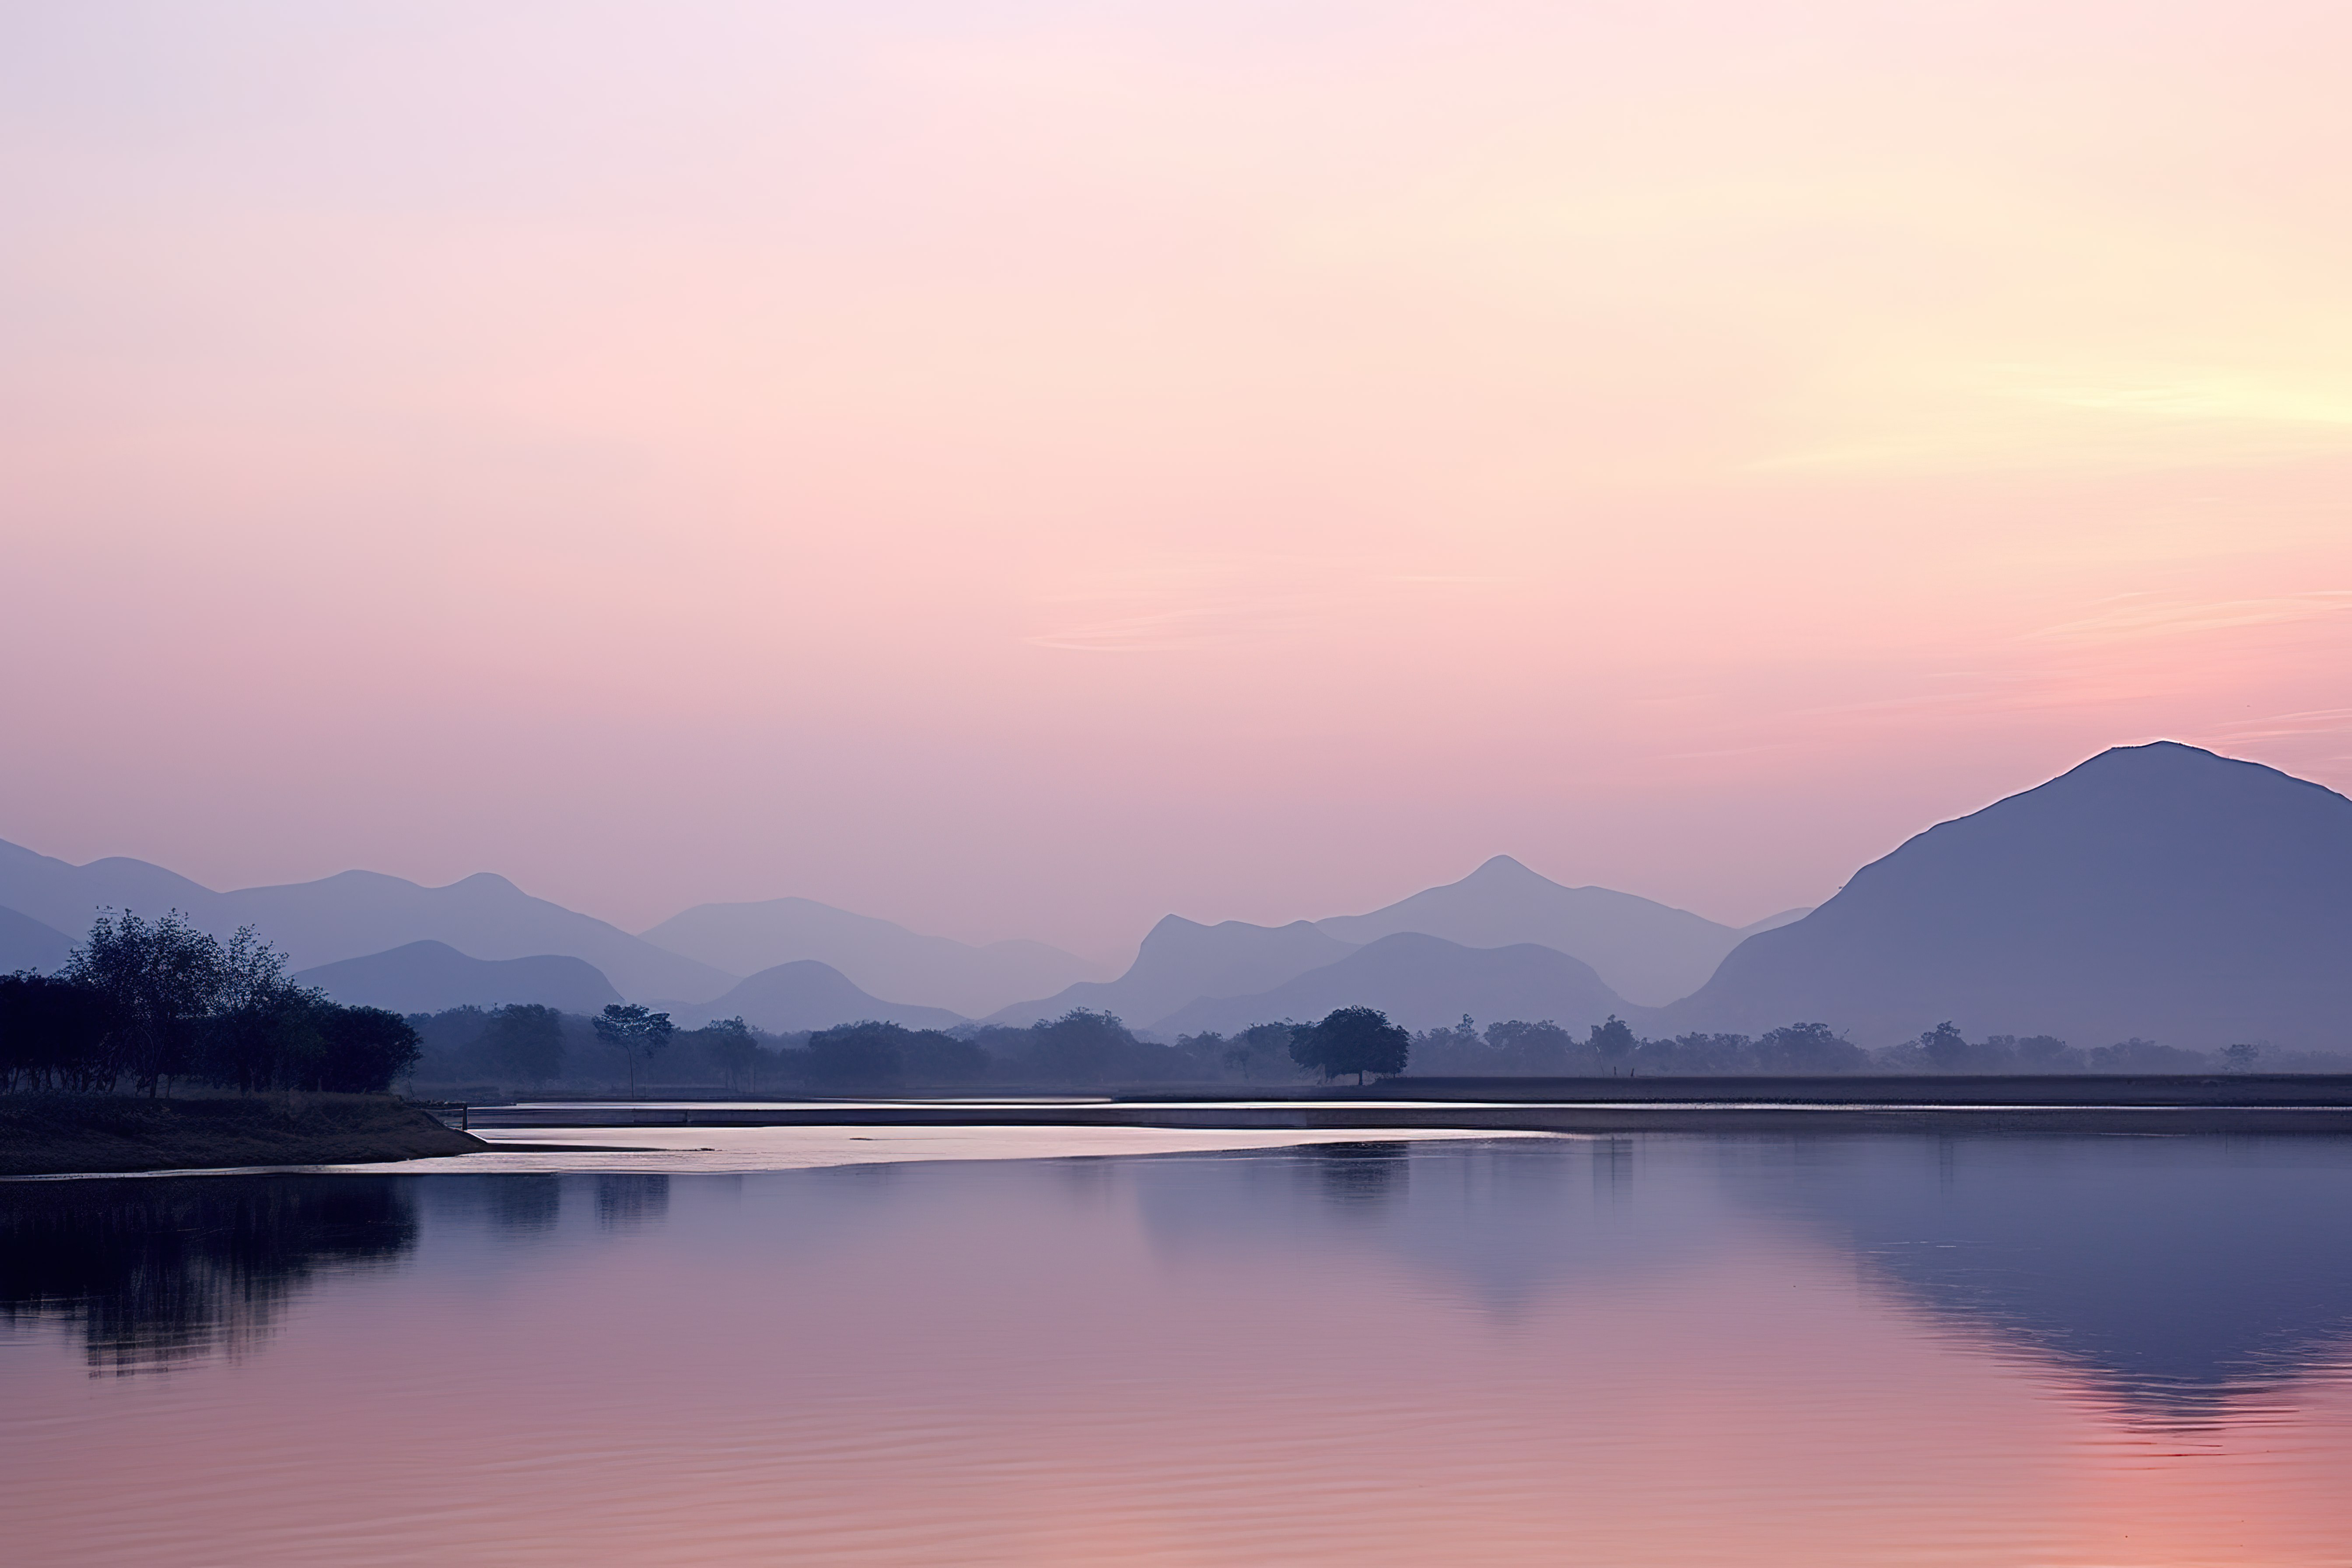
point(56, 1135)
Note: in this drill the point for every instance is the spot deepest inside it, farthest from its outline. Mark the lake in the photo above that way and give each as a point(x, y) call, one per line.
point(1021, 1349)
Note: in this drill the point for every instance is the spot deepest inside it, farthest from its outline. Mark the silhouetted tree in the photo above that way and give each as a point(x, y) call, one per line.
point(729, 1042)
point(1613, 1041)
point(159, 979)
point(2240, 1056)
point(1946, 1046)
point(867, 1055)
point(1542, 1047)
point(1079, 1046)
point(2043, 1052)
point(1807, 1048)
point(54, 1034)
point(526, 1040)
point(1353, 1039)
point(635, 1031)
point(367, 1048)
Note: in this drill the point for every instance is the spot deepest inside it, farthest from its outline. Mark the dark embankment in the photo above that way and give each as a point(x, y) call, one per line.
point(54, 1135)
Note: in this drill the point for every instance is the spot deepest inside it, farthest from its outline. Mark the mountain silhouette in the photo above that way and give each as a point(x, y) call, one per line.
point(1183, 960)
point(431, 976)
point(806, 994)
point(878, 955)
point(1421, 981)
point(66, 898)
point(2157, 891)
point(1648, 952)
point(27, 943)
point(354, 914)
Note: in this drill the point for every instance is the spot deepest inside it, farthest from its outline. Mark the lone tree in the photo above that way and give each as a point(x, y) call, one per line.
point(1614, 1042)
point(635, 1032)
point(1351, 1040)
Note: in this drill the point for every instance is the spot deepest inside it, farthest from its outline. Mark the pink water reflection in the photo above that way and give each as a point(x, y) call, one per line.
point(1451, 1354)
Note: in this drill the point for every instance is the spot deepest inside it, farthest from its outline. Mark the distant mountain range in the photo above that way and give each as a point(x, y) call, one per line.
point(878, 955)
point(1649, 954)
point(431, 976)
point(1183, 960)
point(354, 914)
point(806, 994)
point(1421, 981)
point(27, 943)
point(2158, 891)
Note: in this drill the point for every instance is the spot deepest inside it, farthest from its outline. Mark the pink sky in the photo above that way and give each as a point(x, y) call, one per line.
point(1025, 468)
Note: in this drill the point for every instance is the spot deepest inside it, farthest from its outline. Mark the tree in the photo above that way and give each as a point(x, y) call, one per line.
point(1079, 1046)
point(55, 1034)
point(367, 1048)
point(865, 1054)
point(1807, 1048)
point(1946, 1046)
point(637, 1032)
point(2240, 1056)
point(1613, 1041)
point(1353, 1039)
point(1540, 1048)
point(159, 981)
point(526, 1040)
point(730, 1043)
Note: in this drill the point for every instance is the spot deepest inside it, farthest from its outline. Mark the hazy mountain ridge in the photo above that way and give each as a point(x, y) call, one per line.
point(2158, 891)
point(1649, 954)
point(1183, 960)
point(879, 956)
point(1421, 982)
point(806, 994)
point(433, 976)
point(28, 943)
point(354, 914)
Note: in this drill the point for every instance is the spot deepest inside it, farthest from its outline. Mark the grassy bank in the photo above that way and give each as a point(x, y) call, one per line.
point(49, 1135)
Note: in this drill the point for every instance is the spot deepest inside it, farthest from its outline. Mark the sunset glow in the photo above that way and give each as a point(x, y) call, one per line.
point(1025, 468)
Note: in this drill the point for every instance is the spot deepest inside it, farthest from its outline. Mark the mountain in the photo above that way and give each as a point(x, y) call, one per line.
point(2158, 891)
point(878, 955)
point(354, 914)
point(1421, 982)
point(429, 976)
point(66, 898)
point(27, 943)
point(484, 916)
point(1649, 954)
point(806, 994)
point(1183, 960)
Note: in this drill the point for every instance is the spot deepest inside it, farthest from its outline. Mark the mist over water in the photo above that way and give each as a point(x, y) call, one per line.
point(1634, 1350)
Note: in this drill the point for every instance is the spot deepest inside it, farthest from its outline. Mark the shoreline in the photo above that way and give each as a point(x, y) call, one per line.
point(93, 1134)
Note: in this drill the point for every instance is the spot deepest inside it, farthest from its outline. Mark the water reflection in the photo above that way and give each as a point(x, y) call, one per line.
point(155, 1272)
point(1356, 1177)
point(2176, 1272)
point(1626, 1350)
point(625, 1203)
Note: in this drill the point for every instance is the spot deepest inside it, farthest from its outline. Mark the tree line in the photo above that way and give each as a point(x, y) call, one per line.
point(1545, 1048)
point(628, 1045)
point(474, 1048)
point(147, 1003)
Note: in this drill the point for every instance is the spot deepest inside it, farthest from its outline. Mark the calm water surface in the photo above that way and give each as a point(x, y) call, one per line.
point(1823, 1351)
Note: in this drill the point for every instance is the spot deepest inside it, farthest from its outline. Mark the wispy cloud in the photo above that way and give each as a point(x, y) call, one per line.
point(2142, 615)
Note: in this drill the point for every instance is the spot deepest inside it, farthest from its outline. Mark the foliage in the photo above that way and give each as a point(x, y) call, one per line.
point(1353, 1039)
point(150, 1001)
point(637, 1032)
point(526, 1040)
